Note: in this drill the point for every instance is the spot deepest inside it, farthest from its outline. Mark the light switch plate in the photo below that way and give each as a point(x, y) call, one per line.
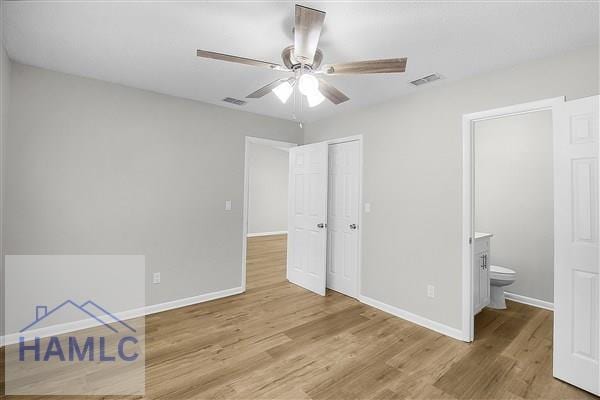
point(430, 291)
point(156, 277)
point(367, 207)
point(227, 205)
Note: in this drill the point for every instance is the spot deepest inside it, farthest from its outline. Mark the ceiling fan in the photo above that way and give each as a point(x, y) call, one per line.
point(303, 59)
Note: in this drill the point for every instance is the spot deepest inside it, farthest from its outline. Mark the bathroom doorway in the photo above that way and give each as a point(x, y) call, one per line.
point(513, 211)
point(530, 229)
point(508, 209)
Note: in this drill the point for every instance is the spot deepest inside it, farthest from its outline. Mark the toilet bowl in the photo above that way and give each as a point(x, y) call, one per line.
point(500, 277)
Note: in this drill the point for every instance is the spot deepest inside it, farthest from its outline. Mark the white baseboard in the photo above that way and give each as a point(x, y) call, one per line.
point(414, 318)
point(61, 329)
point(188, 301)
point(529, 301)
point(267, 233)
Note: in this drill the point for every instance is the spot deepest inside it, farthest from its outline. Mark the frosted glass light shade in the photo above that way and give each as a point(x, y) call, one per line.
point(283, 91)
point(315, 99)
point(308, 84)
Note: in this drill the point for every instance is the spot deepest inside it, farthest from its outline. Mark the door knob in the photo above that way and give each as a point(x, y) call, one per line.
point(321, 225)
point(353, 226)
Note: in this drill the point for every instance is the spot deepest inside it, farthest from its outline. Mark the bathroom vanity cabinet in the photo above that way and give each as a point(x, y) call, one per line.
point(481, 272)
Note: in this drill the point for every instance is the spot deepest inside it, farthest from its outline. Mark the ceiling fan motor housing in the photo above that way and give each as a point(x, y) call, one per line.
point(287, 55)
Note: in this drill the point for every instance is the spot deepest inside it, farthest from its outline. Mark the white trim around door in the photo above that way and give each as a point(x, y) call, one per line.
point(469, 121)
point(267, 142)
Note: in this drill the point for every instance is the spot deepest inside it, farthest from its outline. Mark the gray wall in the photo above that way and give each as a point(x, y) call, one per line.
point(98, 168)
point(514, 198)
point(413, 176)
point(267, 188)
point(5, 66)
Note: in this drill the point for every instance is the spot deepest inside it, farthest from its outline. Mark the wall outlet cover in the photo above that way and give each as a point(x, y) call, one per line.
point(156, 277)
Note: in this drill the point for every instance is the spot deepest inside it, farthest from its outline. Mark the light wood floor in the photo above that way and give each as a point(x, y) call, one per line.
point(278, 341)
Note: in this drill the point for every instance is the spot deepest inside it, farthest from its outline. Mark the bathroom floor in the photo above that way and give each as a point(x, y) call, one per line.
point(520, 341)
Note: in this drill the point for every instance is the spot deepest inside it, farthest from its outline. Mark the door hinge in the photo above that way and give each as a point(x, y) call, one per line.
point(470, 240)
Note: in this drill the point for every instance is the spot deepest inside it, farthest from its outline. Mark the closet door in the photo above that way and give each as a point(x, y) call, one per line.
point(344, 207)
point(307, 217)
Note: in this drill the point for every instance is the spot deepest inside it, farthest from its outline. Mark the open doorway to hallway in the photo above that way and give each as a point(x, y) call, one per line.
point(265, 215)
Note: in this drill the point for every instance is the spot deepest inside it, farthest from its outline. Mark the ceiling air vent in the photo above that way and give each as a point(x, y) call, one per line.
point(231, 100)
point(426, 79)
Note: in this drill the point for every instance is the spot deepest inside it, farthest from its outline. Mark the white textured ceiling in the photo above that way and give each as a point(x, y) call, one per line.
point(151, 45)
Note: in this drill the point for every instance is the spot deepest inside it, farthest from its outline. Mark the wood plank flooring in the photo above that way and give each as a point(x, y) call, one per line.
point(278, 341)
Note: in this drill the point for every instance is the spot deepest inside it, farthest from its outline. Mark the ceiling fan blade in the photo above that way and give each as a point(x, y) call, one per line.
point(307, 31)
point(266, 89)
point(368, 67)
point(239, 60)
point(332, 94)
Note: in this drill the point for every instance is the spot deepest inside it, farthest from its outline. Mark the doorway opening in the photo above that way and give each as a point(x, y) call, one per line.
point(265, 197)
point(508, 200)
point(506, 211)
point(513, 211)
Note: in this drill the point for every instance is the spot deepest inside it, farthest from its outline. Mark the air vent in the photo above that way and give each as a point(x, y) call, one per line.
point(426, 79)
point(231, 100)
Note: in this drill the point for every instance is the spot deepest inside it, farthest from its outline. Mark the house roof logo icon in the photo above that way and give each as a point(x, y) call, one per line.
point(89, 308)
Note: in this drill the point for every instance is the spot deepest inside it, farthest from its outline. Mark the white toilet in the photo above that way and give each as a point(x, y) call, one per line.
point(499, 277)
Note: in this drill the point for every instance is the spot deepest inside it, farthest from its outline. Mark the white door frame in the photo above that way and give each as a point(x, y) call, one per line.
point(469, 121)
point(266, 142)
point(359, 139)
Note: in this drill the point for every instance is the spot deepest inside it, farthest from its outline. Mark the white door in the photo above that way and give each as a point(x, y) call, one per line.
point(307, 217)
point(344, 205)
point(576, 301)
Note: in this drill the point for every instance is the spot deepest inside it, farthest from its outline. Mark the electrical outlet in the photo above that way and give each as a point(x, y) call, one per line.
point(156, 277)
point(430, 291)
point(227, 205)
point(367, 207)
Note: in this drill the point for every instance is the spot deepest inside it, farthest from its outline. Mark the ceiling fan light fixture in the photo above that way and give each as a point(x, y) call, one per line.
point(314, 99)
point(303, 59)
point(283, 91)
point(308, 85)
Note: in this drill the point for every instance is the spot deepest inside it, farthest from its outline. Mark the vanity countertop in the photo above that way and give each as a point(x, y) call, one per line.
point(482, 235)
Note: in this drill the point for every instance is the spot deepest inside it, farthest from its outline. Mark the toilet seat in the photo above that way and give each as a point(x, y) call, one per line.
point(502, 273)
